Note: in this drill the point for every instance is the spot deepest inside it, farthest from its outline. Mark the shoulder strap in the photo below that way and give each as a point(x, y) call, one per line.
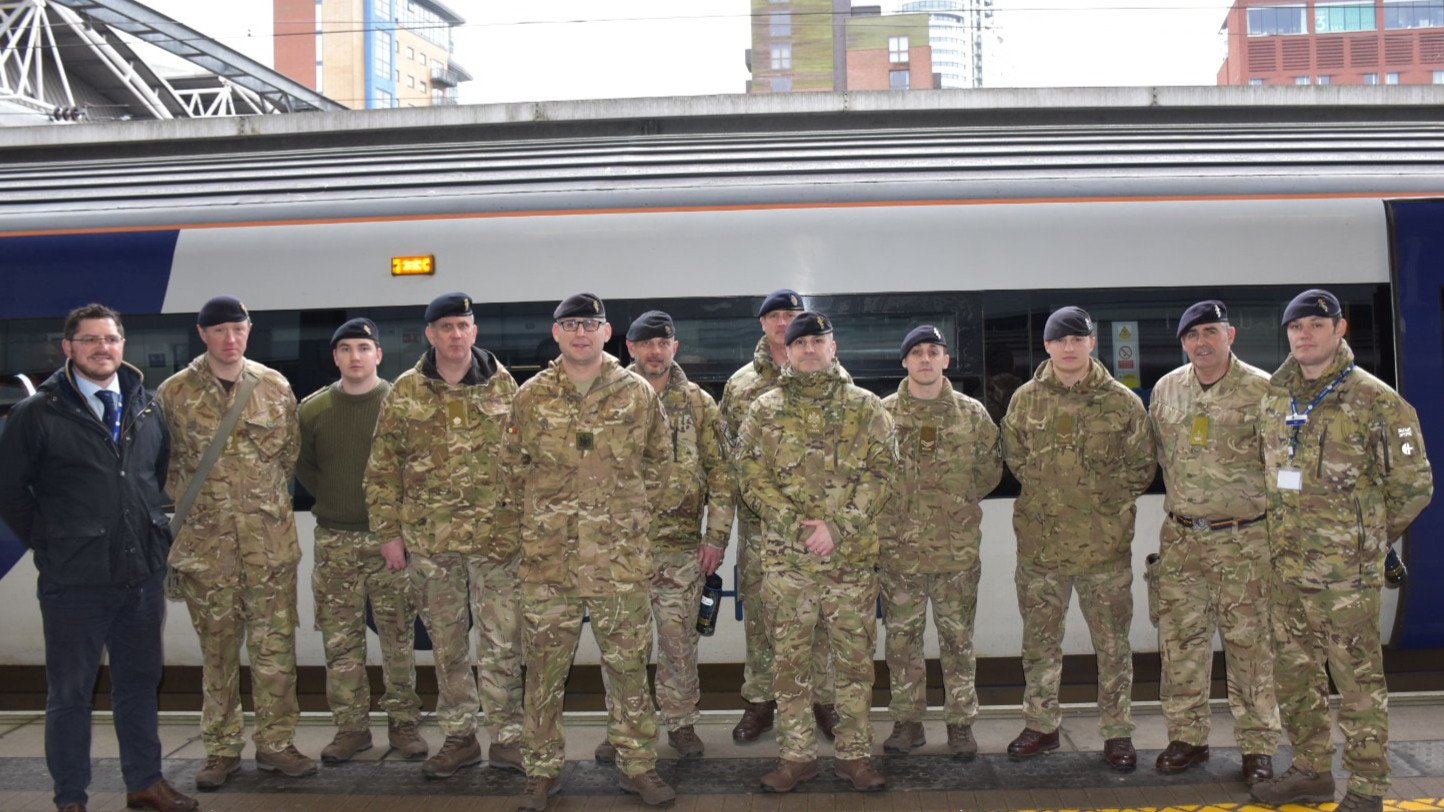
point(213, 452)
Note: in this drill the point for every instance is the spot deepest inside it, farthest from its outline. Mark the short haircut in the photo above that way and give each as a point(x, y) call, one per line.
point(91, 311)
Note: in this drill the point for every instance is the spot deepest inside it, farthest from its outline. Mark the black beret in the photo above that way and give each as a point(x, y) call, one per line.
point(1067, 321)
point(222, 310)
point(448, 304)
point(808, 323)
point(580, 306)
point(355, 328)
point(784, 299)
point(1208, 311)
point(1313, 302)
point(923, 334)
point(652, 324)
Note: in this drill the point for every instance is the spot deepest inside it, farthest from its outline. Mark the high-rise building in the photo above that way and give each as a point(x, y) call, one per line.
point(828, 45)
point(1334, 42)
point(370, 53)
point(957, 30)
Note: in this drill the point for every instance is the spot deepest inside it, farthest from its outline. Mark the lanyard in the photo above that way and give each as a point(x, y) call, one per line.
point(1297, 419)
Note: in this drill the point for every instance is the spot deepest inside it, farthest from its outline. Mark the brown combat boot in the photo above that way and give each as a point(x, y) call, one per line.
point(864, 777)
point(905, 736)
point(505, 757)
point(826, 716)
point(456, 752)
point(216, 772)
point(538, 792)
point(404, 739)
point(1359, 802)
point(1295, 786)
point(287, 761)
point(788, 774)
point(756, 720)
point(684, 740)
point(606, 752)
point(961, 744)
point(345, 745)
point(649, 785)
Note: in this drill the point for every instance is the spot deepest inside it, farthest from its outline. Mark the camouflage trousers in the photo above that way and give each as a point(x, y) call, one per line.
point(452, 588)
point(265, 612)
point(1340, 628)
point(842, 606)
point(954, 596)
point(757, 674)
point(676, 589)
point(1207, 580)
point(1107, 603)
point(622, 626)
point(349, 570)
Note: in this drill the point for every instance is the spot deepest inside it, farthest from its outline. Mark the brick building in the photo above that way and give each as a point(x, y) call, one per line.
point(828, 45)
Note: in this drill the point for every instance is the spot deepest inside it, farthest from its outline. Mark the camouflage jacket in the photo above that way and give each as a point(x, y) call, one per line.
point(701, 473)
point(241, 523)
point(1083, 455)
point(433, 479)
point(585, 468)
point(817, 447)
point(1365, 476)
point(747, 384)
point(950, 460)
point(1209, 442)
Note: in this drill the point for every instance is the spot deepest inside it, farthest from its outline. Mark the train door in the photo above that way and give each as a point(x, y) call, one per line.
point(1416, 242)
point(13, 389)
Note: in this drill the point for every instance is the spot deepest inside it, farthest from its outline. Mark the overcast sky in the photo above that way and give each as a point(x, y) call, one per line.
point(523, 50)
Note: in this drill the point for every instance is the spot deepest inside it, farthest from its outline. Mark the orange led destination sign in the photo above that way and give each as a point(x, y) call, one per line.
point(413, 266)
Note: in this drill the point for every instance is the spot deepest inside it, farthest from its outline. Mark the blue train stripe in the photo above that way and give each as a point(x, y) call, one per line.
point(128, 271)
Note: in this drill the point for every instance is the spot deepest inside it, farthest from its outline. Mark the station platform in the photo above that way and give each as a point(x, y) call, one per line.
point(1073, 778)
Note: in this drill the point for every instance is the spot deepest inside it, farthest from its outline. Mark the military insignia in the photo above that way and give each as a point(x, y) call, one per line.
point(1217, 312)
point(366, 328)
point(928, 440)
point(821, 324)
point(1406, 431)
point(455, 412)
point(465, 303)
point(793, 300)
point(244, 309)
point(1198, 432)
point(1088, 324)
point(937, 334)
point(1408, 449)
point(1063, 425)
point(1323, 306)
point(585, 441)
point(596, 306)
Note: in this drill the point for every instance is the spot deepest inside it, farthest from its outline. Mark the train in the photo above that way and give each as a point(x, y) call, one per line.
point(978, 211)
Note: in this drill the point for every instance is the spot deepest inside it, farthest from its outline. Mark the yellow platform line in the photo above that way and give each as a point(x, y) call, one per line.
point(1390, 805)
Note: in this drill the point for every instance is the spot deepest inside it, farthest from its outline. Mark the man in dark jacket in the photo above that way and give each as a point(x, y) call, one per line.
point(85, 464)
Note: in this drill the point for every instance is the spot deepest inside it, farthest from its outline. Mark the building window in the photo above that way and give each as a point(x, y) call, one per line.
point(1270, 21)
point(1439, 77)
point(381, 48)
point(1334, 17)
point(1414, 13)
point(383, 99)
point(383, 9)
point(410, 52)
point(897, 49)
point(1371, 78)
point(410, 81)
point(423, 59)
point(1301, 80)
point(899, 79)
point(1391, 78)
point(1256, 81)
point(782, 56)
point(321, 78)
point(423, 86)
point(1326, 80)
point(779, 24)
point(397, 77)
point(782, 84)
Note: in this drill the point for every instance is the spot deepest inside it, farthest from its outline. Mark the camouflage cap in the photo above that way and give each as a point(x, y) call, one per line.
point(1068, 321)
point(923, 334)
point(652, 324)
point(222, 310)
point(1313, 302)
point(1208, 311)
point(580, 306)
point(808, 323)
point(448, 304)
point(355, 328)
point(781, 299)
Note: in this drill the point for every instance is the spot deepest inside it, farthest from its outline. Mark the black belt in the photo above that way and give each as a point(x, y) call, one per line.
point(1206, 524)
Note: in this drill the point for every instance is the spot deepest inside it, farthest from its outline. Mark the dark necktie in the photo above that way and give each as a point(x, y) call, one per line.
point(111, 417)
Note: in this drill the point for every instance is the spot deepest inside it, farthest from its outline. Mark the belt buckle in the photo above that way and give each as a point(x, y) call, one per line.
point(1201, 524)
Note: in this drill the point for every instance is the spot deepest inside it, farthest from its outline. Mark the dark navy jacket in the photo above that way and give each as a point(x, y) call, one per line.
point(92, 513)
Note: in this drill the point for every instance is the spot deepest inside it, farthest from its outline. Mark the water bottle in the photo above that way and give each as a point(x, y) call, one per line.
point(1394, 570)
point(711, 604)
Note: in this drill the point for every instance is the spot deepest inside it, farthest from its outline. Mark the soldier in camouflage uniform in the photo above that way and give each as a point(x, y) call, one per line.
point(1078, 442)
point(587, 451)
point(756, 378)
point(814, 457)
point(337, 423)
point(438, 501)
point(1346, 474)
point(1212, 567)
point(236, 554)
point(701, 480)
point(950, 460)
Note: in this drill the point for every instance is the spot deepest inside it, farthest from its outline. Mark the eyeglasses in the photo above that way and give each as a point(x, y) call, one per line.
point(91, 341)
point(589, 325)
